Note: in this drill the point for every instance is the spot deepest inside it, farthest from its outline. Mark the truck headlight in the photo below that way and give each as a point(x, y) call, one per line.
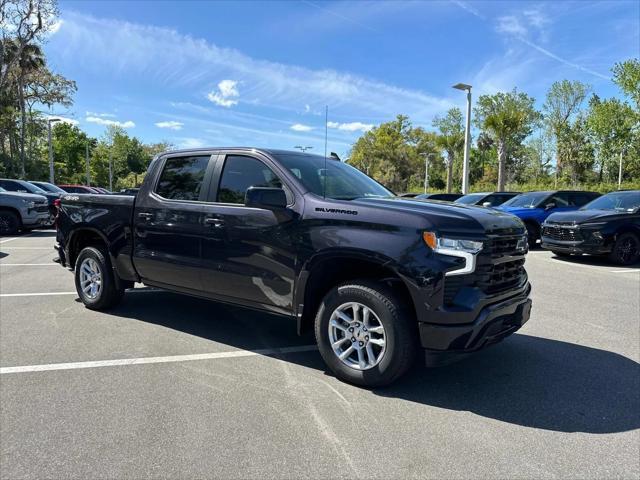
point(467, 249)
point(29, 204)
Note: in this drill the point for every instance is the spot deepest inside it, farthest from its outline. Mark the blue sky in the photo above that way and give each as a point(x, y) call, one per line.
point(260, 73)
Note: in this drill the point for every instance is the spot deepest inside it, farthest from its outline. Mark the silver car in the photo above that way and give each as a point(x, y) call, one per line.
point(22, 211)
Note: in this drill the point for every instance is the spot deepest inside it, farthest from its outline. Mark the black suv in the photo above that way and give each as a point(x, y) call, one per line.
point(609, 225)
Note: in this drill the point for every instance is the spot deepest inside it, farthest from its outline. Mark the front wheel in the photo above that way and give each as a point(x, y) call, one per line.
point(364, 335)
point(626, 249)
point(9, 223)
point(95, 280)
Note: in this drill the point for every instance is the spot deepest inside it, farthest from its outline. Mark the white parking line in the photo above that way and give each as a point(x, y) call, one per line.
point(29, 264)
point(148, 360)
point(29, 248)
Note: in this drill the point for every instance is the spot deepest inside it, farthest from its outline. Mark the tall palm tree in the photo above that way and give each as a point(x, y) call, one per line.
point(450, 139)
point(508, 118)
point(31, 59)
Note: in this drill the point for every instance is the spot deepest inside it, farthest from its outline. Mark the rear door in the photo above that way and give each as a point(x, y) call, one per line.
point(248, 254)
point(168, 222)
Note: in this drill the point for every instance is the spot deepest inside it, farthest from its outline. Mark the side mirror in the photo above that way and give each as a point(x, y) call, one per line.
point(265, 197)
point(486, 204)
point(550, 206)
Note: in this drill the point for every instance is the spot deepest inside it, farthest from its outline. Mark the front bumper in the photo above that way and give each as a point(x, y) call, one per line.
point(34, 219)
point(579, 247)
point(492, 322)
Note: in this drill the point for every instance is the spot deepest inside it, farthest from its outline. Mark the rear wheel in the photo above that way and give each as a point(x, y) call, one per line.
point(626, 249)
point(364, 335)
point(95, 280)
point(9, 223)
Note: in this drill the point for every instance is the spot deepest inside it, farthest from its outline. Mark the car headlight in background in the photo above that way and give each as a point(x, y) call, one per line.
point(467, 249)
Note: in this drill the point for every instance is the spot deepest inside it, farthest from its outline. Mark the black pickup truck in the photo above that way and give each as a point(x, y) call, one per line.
point(375, 275)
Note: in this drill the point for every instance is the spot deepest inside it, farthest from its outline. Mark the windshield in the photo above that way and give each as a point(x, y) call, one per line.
point(30, 187)
point(471, 199)
point(48, 187)
point(341, 181)
point(527, 200)
point(619, 201)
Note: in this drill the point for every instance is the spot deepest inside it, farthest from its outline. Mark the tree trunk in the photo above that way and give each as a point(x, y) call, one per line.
point(23, 123)
point(502, 160)
point(449, 171)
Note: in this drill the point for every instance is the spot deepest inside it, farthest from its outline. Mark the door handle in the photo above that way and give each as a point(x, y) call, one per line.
point(214, 222)
point(145, 216)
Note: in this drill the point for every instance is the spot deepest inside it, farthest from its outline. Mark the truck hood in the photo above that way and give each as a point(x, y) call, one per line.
point(447, 216)
point(583, 216)
point(31, 197)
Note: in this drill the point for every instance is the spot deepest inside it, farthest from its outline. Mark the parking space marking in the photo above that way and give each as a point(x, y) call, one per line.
point(28, 264)
point(149, 360)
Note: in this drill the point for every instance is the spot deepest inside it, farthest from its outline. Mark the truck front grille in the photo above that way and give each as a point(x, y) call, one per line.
point(499, 267)
point(563, 234)
point(42, 208)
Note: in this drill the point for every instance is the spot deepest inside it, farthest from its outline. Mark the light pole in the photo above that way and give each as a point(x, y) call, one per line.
point(426, 156)
point(86, 156)
point(467, 138)
point(51, 172)
point(302, 149)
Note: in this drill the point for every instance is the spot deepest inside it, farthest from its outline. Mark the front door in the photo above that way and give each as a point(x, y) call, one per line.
point(168, 223)
point(248, 254)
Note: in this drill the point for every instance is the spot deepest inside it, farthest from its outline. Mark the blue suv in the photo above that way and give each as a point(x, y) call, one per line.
point(533, 208)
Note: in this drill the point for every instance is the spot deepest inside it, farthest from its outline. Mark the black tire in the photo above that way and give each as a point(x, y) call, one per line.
point(626, 249)
point(109, 294)
point(9, 223)
point(533, 234)
point(400, 330)
point(560, 254)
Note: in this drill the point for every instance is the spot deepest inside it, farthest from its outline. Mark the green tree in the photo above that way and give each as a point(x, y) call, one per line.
point(508, 118)
point(561, 106)
point(450, 139)
point(627, 76)
point(69, 146)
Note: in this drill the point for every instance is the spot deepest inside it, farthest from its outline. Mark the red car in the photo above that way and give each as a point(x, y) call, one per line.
point(80, 189)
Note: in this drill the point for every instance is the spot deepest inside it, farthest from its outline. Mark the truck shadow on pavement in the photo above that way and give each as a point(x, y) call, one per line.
point(526, 380)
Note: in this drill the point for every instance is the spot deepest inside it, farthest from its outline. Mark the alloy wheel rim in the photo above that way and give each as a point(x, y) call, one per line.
point(90, 278)
point(357, 336)
point(627, 250)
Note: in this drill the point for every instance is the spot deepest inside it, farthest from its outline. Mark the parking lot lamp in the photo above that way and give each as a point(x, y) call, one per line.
point(467, 139)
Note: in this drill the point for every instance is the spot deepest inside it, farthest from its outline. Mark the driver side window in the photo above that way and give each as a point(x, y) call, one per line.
point(240, 173)
point(560, 199)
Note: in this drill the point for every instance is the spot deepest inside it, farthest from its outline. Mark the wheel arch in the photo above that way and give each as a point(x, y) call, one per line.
point(12, 210)
point(84, 237)
point(328, 269)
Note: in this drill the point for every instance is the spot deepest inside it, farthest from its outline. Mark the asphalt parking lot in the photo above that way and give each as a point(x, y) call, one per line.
point(174, 387)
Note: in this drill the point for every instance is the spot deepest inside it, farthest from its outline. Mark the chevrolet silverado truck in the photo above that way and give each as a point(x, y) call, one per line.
point(609, 225)
point(374, 275)
point(22, 211)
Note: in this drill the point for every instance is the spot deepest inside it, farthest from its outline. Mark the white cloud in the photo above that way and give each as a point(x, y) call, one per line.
point(70, 121)
point(169, 58)
point(298, 127)
point(105, 115)
point(227, 90)
point(536, 18)
point(55, 26)
point(351, 127)
point(307, 108)
point(115, 123)
point(189, 142)
point(171, 125)
point(510, 25)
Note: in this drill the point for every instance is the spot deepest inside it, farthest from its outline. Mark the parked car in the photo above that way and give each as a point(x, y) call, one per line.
point(533, 208)
point(21, 211)
point(80, 189)
point(609, 225)
point(22, 186)
point(375, 275)
point(486, 199)
point(446, 197)
point(103, 190)
point(48, 187)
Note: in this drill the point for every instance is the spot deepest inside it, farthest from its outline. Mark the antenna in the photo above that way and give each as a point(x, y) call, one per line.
point(326, 131)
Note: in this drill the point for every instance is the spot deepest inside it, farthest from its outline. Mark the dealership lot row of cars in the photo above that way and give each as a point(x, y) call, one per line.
point(565, 222)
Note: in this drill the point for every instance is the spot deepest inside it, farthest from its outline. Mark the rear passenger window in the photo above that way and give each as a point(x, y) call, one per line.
point(182, 177)
point(580, 199)
point(239, 174)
